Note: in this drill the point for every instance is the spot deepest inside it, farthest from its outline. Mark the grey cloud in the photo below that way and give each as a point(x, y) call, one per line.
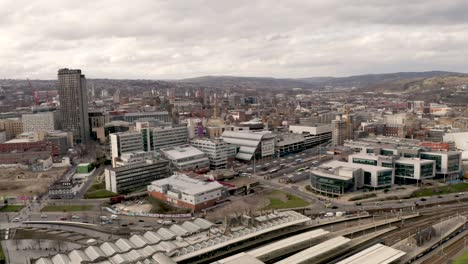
point(177, 38)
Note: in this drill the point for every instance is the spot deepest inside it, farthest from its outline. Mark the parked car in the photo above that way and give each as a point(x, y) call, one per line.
point(43, 216)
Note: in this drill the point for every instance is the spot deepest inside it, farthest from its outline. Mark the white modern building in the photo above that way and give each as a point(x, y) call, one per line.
point(337, 177)
point(183, 191)
point(38, 122)
point(407, 170)
point(124, 142)
point(251, 145)
point(448, 164)
point(187, 158)
point(217, 151)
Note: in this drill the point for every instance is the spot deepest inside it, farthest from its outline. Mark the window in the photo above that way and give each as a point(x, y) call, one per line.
point(367, 178)
point(437, 158)
point(404, 170)
point(384, 178)
point(365, 161)
point(427, 170)
point(386, 152)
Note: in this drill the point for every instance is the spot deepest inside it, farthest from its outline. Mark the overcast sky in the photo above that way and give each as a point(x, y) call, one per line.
point(155, 39)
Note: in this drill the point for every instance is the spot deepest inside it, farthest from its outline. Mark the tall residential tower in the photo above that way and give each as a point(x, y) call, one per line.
point(74, 103)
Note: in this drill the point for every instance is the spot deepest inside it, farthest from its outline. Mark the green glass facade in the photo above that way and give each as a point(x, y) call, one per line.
point(404, 170)
point(365, 161)
point(331, 186)
point(387, 165)
point(453, 163)
point(436, 158)
point(386, 152)
point(427, 170)
point(384, 178)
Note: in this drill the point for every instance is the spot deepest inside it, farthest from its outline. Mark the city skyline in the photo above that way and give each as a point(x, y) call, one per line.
point(171, 40)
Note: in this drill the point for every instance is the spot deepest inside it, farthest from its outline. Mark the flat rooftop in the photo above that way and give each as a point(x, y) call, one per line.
point(181, 152)
point(316, 251)
point(377, 254)
point(183, 183)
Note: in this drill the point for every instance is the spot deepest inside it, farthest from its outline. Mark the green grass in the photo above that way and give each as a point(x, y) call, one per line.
point(463, 259)
point(11, 208)
point(99, 194)
point(97, 187)
point(453, 188)
point(362, 197)
point(67, 208)
point(290, 201)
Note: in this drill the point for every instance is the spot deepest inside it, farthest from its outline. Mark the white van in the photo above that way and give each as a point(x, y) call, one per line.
point(329, 214)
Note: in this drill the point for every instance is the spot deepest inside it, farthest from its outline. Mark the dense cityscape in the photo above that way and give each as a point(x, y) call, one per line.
point(226, 170)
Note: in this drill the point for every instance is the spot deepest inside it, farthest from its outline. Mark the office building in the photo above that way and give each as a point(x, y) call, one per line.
point(183, 191)
point(407, 170)
point(73, 97)
point(156, 138)
point(187, 158)
point(217, 151)
point(339, 131)
point(410, 170)
point(12, 126)
point(124, 142)
point(251, 145)
point(38, 122)
point(314, 135)
point(337, 177)
point(448, 164)
point(135, 176)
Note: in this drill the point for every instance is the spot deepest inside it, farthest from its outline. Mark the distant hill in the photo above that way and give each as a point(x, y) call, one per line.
point(389, 82)
point(358, 81)
point(423, 85)
point(363, 81)
point(248, 82)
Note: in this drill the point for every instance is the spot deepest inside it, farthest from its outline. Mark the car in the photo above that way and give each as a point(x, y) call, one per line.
point(141, 220)
point(75, 217)
point(461, 193)
point(131, 223)
point(358, 204)
point(423, 199)
point(440, 197)
point(114, 217)
point(43, 216)
point(334, 207)
point(63, 218)
point(456, 195)
point(400, 201)
point(123, 225)
point(16, 219)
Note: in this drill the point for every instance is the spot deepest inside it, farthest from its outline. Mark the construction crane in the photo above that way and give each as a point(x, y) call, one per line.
point(348, 122)
point(36, 95)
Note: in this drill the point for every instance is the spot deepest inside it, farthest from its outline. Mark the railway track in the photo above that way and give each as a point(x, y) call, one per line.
point(427, 219)
point(444, 254)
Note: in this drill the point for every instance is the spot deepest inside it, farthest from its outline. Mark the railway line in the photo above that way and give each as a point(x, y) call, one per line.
point(445, 254)
point(428, 218)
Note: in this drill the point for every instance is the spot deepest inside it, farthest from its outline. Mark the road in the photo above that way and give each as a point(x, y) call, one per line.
point(89, 182)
